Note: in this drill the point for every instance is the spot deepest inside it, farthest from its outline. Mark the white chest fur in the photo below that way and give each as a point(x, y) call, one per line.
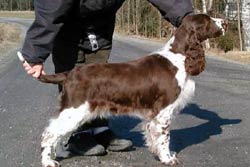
point(184, 82)
point(177, 60)
point(158, 130)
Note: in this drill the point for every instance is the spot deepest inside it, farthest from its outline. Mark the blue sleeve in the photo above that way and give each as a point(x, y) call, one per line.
point(49, 16)
point(173, 10)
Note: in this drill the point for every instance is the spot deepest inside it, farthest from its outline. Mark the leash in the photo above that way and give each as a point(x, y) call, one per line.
point(20, 57)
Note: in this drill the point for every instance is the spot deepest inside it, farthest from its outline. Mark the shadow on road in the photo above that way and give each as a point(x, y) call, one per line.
point(126, 127)
point(182, 138)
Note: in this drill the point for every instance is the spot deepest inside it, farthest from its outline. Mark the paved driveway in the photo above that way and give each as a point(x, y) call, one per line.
point(214, 130)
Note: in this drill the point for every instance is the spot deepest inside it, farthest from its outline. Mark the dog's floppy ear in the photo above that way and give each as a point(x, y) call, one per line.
point(195, 55)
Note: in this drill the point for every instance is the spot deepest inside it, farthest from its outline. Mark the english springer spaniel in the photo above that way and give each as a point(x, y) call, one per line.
point(152, 88)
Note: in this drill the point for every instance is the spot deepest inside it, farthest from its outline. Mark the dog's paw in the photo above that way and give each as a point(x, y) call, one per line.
point(50, 163)
point(170, 160)
point(173, 162)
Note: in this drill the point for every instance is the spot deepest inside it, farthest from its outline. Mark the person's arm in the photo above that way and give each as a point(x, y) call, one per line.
point(39, 38)
point(173, 10)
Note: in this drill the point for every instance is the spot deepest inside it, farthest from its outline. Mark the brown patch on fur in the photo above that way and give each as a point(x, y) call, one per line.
point(146, 85)
point(165, 128)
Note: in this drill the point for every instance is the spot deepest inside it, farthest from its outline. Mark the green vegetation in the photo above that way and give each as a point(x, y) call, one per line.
point(138, 17)
point(226, 42)
point(13, 5)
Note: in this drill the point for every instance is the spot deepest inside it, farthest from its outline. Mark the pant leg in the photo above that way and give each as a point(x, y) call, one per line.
point(65, 48)
point(66, 55)
point(100, 56)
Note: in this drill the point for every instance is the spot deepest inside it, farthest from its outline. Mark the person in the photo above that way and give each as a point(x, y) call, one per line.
point(79, 32)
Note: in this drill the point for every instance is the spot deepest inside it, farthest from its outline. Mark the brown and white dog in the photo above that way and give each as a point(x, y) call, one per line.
point(152, 88)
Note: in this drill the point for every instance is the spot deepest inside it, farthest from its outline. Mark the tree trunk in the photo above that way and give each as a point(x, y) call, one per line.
point(137, 16)
point(122, 17)
point(239, 25)
point(245, 17)
point(226, 9)
point(29, 6)
point(11, 5)
point(133, 14)
point(145, 27)
point(195, 6)
point(26, 5)
point(204, 10)
point(20, 4)
point(210, 5)
point(128, 16)
point(160, 25)
point(204, 6)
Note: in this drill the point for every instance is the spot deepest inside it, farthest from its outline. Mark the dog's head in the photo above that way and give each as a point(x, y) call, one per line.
point(202, 27)
point(190, 35)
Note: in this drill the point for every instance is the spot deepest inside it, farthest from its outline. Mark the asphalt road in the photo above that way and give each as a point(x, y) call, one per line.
point(214, 130)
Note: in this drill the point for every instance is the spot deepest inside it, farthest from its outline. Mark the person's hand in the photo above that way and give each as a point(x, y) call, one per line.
point(34, 70)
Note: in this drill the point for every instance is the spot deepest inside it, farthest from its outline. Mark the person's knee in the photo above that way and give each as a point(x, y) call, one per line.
point(100, 56)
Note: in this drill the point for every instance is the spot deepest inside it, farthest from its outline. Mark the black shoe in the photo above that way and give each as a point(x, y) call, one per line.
point(84, 144)
point(113, 143)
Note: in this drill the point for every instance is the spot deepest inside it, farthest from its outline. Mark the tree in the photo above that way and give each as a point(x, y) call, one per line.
point(207, 6)
point(226, 8)
point(128, 16)
point(245, 17)
point(210, 5)
point(137, 16)
point(16, 5)
point(204, 6)
point(239, 24)
point(11, 3)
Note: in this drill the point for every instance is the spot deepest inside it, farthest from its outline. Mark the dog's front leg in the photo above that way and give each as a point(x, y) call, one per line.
point(163, 145)
point(158, 138)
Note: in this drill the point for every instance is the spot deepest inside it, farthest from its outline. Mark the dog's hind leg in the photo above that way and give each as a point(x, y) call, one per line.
point(63, 126)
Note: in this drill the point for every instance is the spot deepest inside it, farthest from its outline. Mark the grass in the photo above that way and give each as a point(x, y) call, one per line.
point(18, 14)
point(10, 36)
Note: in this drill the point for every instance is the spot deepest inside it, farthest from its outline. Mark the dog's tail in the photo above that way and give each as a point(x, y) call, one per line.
point(54, 78)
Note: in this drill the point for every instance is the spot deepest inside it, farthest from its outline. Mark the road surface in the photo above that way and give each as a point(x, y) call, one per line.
point(214, 130)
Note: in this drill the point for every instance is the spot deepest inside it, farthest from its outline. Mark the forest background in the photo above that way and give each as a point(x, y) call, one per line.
point(140, 19)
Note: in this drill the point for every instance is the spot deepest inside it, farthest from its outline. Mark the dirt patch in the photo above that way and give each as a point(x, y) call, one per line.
point(239, 56)
point(18, 14)
point(10, 36)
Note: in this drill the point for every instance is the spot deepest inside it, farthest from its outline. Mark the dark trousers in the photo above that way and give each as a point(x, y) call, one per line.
point(66, 55)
